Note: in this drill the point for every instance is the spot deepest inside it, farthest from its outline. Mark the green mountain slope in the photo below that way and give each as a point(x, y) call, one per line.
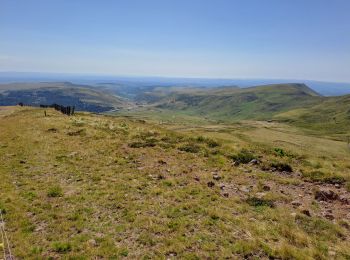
point(260, 102)
point(65, 93)
point(331, 115)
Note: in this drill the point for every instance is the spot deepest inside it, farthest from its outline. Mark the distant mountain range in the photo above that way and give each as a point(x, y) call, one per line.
point(294, 103)
point(132, 84)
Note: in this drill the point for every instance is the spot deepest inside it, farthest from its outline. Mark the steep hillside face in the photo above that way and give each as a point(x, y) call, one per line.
point(82, 97)
point(260, 102)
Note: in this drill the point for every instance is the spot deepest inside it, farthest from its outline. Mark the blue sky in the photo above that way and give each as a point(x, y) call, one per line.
point(294, 39)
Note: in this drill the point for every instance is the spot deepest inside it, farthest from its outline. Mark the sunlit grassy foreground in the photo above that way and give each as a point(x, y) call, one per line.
point(91, 186)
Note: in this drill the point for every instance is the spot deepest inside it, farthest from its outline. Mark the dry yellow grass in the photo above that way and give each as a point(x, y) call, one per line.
point(93, 186)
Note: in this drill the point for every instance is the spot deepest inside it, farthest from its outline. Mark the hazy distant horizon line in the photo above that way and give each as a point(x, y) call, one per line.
point(90, 74)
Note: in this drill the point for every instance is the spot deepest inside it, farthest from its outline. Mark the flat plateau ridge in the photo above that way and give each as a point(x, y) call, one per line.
point(96, 186)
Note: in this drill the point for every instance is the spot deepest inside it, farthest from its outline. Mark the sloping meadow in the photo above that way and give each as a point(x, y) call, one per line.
point(92, 186)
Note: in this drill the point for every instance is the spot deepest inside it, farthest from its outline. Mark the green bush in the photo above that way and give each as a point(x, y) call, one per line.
point(55, 191)
point(61, 247)
point(280, 152)
point(244, 156)
point(190, 148)
point(212, 143)
point(257, 202)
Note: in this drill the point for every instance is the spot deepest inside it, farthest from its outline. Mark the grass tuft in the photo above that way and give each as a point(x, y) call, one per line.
point(55, 191)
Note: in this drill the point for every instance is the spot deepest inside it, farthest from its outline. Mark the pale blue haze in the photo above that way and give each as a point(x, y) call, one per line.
point(294, 39)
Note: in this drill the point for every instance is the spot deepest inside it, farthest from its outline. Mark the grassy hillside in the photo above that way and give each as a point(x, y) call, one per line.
point(82, 97)
point(260, 102)
point(295, 104)
point(331, 116)
point(92, 186)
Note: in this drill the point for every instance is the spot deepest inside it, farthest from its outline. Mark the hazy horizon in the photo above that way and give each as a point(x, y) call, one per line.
point(54, 74)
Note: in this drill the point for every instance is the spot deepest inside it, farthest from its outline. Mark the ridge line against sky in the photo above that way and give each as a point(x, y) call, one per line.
point(201, 39)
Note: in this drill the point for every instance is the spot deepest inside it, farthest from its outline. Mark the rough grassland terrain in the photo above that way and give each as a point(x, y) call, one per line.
point(96, 187)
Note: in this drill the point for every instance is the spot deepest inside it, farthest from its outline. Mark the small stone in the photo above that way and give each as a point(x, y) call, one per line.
point(226, 195)
point(211, 184)
point(293, 214)
point(244, 189)
point(236, 164)
point(222, 186)
point(196, 178)
point(345, 223)
point(296, 203)
point(329, 216)
point(306, 212)
point(162, 162)
point(216, 177)
point(254, 161)
point(326, 195)
point(266, 188)
point(160, 177)
point(92, 242)
point(337, 185)
point(344, 200)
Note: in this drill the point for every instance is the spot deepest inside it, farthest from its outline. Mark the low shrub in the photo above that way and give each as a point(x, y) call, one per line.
point(151, 142)
point(280, 152)
point(190, 148)
point(211, 143)
point(319, 176)
point(172, 138)
point(334, 180)
point(61, 247)
point(55, 191)
point(258, 202)
point(244, 156)
point(281, 166)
